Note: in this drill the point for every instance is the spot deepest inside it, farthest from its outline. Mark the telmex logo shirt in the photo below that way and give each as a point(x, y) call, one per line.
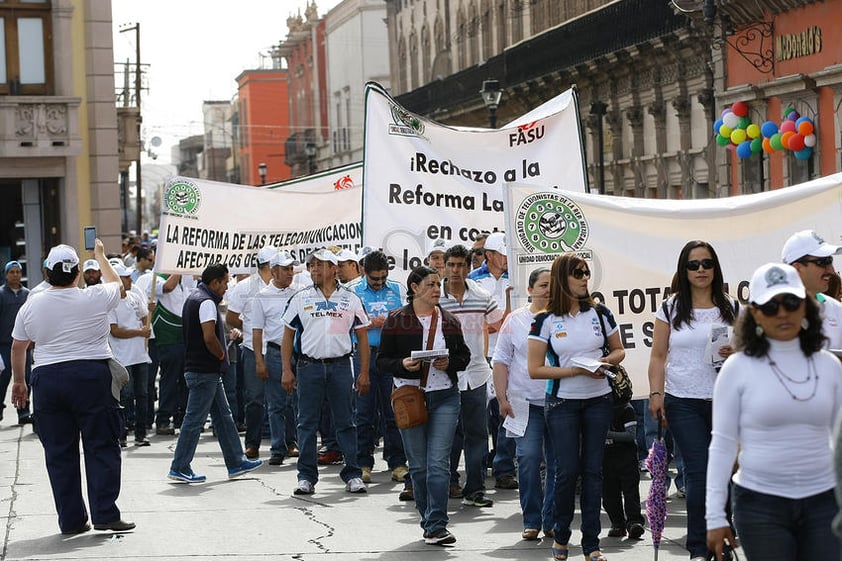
point(325, 324)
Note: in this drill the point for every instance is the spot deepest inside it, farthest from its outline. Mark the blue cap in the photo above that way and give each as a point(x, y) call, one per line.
point(11, 264)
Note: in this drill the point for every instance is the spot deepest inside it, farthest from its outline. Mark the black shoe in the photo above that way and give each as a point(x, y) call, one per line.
point(25, 420)
point(141, 441)
point(276, 460)
point(123, 443)
point(439, 537)
point(636, 530)
point(506, 482)
point(616, 532)
point(408, 494)
point(165, 429)
point(78, 530)
point(116, 526)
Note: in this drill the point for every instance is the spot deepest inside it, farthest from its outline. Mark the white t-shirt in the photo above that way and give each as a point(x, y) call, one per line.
point(497, 289)
point(143, 286)
point(784, 442)
point(207, 311)
point(325, 324)
point(574, 336)
point(268, 310)
point(241, 301)
point(68, 323)
point(436, 379)
point(831, 321)
point(129, 314)
point(687, 374)
point(511, 351)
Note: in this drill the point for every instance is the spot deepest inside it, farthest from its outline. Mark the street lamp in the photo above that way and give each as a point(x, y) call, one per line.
point(261, 170)
point(598, 110)
point(491, 95)
point(310, 150)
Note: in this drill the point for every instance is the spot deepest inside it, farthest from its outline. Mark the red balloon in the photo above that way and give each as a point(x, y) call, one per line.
point(739, 109)
point(788, 126)
point(796, 142)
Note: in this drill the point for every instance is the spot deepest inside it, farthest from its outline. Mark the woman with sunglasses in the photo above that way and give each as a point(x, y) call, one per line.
point(578, 406)
point(681, 376)
point(776, 402)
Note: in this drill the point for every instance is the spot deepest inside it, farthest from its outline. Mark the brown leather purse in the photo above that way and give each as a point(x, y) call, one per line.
point(408, 401)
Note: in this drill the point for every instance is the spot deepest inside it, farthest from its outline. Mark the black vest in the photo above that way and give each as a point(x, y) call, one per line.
point(197, 357)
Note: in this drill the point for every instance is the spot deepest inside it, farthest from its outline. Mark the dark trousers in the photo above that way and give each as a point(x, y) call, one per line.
point(151, 376)
point(172, 391)
point(134, 396)
point(621, 485)
point(73, 399)
point(6, 377)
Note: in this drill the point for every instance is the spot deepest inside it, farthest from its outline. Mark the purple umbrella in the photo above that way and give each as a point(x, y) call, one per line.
point(656, 503)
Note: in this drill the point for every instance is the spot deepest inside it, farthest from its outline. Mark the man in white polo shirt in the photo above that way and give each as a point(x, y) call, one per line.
point(268, 333)
point(324, 316)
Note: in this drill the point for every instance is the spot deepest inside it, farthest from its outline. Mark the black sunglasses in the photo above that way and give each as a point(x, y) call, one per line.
point(820, 261)
point(378, 279)
point(790, 302)
point(703, 263)
point(579, 273)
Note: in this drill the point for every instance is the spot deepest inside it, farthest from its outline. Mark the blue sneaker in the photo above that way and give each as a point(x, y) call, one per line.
point(180, 477)
point(245, 467)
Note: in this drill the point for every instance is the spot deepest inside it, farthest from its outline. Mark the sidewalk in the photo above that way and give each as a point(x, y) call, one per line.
point(258, 518)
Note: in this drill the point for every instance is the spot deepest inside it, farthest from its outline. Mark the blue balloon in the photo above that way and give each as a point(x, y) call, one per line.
point(744, 149)
point(804, 154)
point(716, 126)
point(768, 129)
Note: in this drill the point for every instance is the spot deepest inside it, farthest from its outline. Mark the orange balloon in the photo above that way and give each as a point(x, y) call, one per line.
point(767, 146)
point(805, 128)
point(785, 138)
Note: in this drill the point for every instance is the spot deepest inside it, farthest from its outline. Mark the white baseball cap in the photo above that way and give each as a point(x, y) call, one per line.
point(282, 259)
point(772, 279)
point(365, 250)
point(266, 253)
point(90, 265)
point(438, 245)
point(346, 255)
point(122, 270)
point(804, 243)
point(324, 254)
point(496, 241)
point(63, 254)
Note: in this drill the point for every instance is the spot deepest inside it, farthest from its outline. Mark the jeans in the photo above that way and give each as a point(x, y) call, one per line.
point(253, 394)
point(134, 393)
point(6, 377)
point(277, 402)
point(472, 419)
point(372, 407)
point(206, 395)
point(151, 376)
point(578, 428)
point(229, 382)
point(503, 462)
point(534, 447)
point(428, 451)
point(774, 528)
point(170, 389)
point(316, 382)
point(690, 423)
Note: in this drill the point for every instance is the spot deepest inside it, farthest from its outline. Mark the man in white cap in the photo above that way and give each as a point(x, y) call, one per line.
point(240, 312)
point(324, 315)
point(91, 272)
point(268, 333)
point(812, 257)
point(349, 267)
point(435, 255)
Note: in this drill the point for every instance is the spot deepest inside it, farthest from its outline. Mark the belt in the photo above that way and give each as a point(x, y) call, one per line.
point(273, 345)
point(325, 360)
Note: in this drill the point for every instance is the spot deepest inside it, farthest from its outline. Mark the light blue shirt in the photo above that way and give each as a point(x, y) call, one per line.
point(377, 303)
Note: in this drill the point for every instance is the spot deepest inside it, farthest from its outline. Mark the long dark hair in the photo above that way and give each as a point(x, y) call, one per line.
point(415, 277)
point(561, 298)
point(683, 302)
point(752, 344)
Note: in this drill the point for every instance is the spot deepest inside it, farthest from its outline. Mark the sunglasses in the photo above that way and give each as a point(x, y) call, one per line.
point(821, 261)
point(790, 303)
point(578, 274)
point(378, 279)
point(705, 264)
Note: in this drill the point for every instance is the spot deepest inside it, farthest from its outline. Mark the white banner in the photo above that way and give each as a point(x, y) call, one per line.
point(424, 180)
point(632, 245)
point(204, 222)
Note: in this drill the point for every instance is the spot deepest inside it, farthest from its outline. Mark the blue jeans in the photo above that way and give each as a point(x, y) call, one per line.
point(134, 395)
point(333, 381)
point(277, 401)
point(6, 377)
point(229, 382)
point(206, 395)
point(151, 376)
point(170, 398)
point(690, 423)
point(578, 428)
point(474, 439)
point(253, 395)
point(534, 447)
point(776, 528)
point(503, 462)
point(373, 407)
point(428, 451)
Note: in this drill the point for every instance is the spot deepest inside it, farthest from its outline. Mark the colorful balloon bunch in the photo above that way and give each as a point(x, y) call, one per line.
point(734, 130)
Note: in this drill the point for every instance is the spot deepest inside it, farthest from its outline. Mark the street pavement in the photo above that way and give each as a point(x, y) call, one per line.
point(258, 517)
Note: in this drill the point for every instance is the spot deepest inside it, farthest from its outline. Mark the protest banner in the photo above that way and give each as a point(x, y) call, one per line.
point(632, 245)
point(204, 222)
point(425, 180)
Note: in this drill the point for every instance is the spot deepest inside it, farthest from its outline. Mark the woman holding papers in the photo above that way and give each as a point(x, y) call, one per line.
point(683, 367)
point(421, 325)
point(566, 346)
point(521, 401)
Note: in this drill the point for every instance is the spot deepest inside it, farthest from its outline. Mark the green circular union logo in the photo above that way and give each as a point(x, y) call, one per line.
point(550, 223)
point(183, 197)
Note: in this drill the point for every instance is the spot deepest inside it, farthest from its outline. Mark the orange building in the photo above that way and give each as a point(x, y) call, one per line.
point(264, 125)
point(780, 60)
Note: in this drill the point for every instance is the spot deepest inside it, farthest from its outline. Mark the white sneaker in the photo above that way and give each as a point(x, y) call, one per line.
point(355, 485)
point(304, 487)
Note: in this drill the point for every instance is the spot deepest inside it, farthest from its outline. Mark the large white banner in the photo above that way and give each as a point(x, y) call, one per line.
point(204, 222)
point(424, 180)
point(632, 245)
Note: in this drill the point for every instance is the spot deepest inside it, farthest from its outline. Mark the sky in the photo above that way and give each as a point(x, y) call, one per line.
point(195, 49)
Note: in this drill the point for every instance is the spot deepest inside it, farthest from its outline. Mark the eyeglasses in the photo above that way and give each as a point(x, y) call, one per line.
point(578, 274)
point(790, 302)
point(820, 262)
point(705, 264)
point(378, 279)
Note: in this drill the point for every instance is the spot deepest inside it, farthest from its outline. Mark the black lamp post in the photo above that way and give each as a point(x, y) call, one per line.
point(491, 95)
point(310, 150)
point(598, 109)
point(261, 169)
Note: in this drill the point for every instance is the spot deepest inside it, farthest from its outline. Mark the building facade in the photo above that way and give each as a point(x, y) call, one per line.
point(58, 129)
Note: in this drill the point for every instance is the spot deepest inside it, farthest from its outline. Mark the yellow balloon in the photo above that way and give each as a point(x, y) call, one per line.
point(738, 136)
point(753, 131)
point(725, 130)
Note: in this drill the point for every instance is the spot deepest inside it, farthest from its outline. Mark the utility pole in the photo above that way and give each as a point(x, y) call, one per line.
point(137, 88)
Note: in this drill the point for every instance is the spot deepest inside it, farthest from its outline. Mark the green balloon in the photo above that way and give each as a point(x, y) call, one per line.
point(744, 123)
point(775, 141)
point(756, 145)
point(722, 140)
